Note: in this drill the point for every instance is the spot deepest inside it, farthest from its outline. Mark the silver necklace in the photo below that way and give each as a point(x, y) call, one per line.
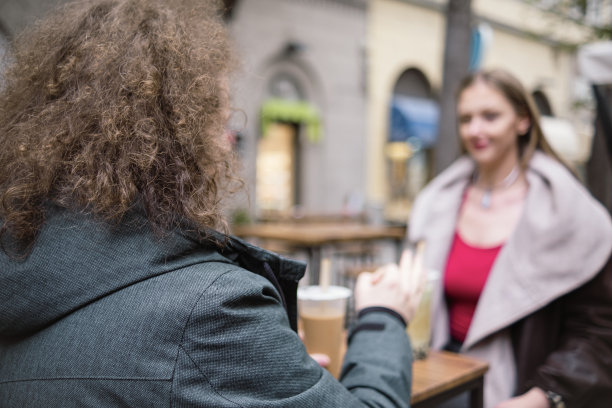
point(485, 201)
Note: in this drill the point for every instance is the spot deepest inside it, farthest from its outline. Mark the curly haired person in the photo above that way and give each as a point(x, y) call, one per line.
point(119, 283)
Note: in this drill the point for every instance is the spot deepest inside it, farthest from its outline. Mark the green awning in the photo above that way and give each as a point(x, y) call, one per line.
point(280, 110)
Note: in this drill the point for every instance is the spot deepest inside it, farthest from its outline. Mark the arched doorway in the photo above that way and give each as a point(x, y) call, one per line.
point(288, 121)
point(413, 123)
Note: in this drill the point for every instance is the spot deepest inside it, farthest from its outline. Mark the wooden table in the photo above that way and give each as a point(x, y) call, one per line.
point(444, 375)
point(312, 237)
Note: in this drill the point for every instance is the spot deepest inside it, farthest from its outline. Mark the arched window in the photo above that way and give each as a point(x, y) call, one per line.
point(413, 127)
point(413, 83)
point(287, 120)
point(542, 103)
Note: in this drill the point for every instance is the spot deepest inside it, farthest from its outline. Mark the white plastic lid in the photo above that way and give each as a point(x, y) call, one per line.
point(316, 293)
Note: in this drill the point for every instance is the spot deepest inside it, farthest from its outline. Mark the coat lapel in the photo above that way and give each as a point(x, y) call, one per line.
point(436, 212)
point(437, 209)
point(561, 241)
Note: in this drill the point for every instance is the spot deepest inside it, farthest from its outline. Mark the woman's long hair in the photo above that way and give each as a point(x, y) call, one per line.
point(113, 104)
point(523, 104)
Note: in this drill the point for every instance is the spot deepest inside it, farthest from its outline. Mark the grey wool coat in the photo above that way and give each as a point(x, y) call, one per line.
point(100, 316)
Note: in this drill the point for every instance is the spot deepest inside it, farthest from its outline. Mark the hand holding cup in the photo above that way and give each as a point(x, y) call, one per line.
point(396, 287)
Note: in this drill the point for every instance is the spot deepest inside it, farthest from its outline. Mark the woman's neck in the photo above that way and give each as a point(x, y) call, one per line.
point(490, 177)
point(490, 180)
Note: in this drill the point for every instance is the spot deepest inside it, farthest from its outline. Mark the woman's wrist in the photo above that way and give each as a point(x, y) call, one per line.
point(540, 397)
point(554, 400)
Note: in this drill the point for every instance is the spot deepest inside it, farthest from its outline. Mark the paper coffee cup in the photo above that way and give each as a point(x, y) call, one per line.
point(322, 313)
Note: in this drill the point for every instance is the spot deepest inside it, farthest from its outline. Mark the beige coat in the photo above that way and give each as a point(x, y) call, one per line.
point(562, 239)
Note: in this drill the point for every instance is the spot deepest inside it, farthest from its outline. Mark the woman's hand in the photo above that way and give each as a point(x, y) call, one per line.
point(534, 398)
point(397, 287)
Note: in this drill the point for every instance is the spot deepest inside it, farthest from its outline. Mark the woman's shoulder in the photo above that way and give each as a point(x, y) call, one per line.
point(563, 227)
point(552, 170)
point(553, 185)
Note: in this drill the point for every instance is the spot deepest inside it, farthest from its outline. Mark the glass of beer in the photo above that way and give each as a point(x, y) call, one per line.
point(419, 328)
point(322, 313)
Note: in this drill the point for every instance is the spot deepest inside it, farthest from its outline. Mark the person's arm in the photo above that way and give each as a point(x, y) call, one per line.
point(578, 373)
point(580, 369)
point(386, 301)
point(378, 359)
point(244, 354)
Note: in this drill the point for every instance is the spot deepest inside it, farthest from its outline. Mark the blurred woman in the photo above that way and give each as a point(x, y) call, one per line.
point(119, 286)
point(525, 254)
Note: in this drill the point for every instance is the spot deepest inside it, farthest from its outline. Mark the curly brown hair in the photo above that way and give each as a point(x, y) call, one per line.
point(113, 104)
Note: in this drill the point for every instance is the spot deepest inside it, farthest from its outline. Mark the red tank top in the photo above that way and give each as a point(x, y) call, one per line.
point(467, 270)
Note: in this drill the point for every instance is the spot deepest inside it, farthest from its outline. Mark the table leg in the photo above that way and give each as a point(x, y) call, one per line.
point(399, 248)
point(477, 395)
point(474, 387)
point(314, 264)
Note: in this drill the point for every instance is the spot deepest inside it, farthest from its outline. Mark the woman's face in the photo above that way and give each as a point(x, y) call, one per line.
point(488, 125)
